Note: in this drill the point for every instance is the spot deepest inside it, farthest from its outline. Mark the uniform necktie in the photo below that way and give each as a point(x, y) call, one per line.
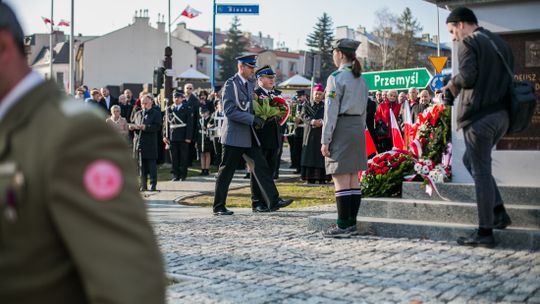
point(246, 85)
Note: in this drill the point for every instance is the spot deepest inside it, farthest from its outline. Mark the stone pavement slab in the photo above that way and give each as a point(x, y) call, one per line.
point(273, 258)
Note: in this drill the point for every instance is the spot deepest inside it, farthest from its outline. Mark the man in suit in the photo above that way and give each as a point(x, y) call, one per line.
point(239, 138)
point(147, 138)
point(269, 135)
point(73, 227)
point(107, 99)
point(179, 123)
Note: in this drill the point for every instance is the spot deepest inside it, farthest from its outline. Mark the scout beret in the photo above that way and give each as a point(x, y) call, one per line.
point(462, 14)
point(347, 45)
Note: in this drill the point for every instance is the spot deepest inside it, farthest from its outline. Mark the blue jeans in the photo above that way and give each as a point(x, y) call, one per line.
point(480, 138)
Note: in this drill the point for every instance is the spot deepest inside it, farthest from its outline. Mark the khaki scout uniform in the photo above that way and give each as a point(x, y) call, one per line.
point(59, 241)
point(345, 121)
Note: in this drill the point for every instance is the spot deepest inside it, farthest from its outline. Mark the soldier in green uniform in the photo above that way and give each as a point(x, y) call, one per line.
point(73, 227)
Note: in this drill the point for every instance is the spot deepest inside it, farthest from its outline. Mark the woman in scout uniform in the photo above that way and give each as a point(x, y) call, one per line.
point(343, 142)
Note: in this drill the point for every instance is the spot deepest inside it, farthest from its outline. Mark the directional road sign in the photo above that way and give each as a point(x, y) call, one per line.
point(437, 82)
point(397, 79)
point(244, 9)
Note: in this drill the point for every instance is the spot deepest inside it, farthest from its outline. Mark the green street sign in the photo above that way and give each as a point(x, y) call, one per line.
point(397, 79)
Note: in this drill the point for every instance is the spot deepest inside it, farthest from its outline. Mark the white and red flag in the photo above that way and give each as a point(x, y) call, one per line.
point(407, 123)
point(47, 20)
point(397, 139)
point(190, 12)
point(63, 23)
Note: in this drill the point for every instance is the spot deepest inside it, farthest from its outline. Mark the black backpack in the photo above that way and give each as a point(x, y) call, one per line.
point(522, 98)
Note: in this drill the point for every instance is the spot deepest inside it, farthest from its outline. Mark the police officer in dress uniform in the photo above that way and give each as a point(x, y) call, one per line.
point(180, 131)
point(343, 141)
point(146, 139)
point(73, 228)
point(269, 135)
point(239, 138)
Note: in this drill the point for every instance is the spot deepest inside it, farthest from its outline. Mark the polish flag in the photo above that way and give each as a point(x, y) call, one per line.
point(407, 123)
point(370, 146)
point(47, 20)
point(190, 12)
point(63, 23)
point(397, 140)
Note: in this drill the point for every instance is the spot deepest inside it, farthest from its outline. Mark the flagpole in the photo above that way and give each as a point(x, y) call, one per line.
point(214, 45)
point(169, 26)
point(71, 48)
point(438, 33)
point(51, 52)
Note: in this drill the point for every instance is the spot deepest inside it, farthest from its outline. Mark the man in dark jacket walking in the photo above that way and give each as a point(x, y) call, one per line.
point(147, 138)
point(482, 83)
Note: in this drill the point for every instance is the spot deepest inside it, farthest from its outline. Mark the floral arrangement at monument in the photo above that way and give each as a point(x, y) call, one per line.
point(428, 158)
point(275, 107)
point(385, 173)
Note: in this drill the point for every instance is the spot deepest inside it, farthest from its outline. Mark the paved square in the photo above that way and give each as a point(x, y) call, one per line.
point(272, 258)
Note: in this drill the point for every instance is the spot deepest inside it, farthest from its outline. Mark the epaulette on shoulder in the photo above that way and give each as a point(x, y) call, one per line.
point(71, 107)
point(335, 72)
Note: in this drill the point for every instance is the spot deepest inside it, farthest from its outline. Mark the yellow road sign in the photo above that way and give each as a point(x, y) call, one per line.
point(438, 62)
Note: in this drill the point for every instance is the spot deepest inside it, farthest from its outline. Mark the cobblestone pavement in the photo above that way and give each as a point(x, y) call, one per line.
point(272, 258)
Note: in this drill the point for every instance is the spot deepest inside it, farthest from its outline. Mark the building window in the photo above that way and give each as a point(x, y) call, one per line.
point(60, 78)
point(292, 67)
point(278, 66)
point(201, 66)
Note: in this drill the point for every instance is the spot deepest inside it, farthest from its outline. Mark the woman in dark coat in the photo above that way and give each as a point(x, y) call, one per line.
point(312, 159)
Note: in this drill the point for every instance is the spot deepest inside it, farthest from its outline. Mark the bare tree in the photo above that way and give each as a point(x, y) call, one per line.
point(385, 24)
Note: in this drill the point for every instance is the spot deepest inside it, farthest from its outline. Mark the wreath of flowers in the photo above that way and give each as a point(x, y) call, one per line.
point(275, 107)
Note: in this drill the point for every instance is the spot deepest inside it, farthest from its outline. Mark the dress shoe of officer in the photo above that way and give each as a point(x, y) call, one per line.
point(175, 179)
point(502, 220)
point(281, 203)
point(259, 208)
point(142, 189)
point(223, 211)
point(475, 240)
point(153, 189)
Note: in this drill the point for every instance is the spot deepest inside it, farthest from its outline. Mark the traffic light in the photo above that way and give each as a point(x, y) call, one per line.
point(157, 84)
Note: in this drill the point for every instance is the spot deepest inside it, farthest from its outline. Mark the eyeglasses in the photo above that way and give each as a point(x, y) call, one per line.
point(189, 88)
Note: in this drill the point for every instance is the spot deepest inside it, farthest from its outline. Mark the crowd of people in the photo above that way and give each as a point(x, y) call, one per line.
point(190, 127)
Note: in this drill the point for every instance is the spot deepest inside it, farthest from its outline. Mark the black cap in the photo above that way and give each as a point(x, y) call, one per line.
point(9, 23)
point(462, 14)
point(179, 93)
point(300, 93)
point(347, 45)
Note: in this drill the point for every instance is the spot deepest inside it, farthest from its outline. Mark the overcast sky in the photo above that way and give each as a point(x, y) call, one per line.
point(287, 21)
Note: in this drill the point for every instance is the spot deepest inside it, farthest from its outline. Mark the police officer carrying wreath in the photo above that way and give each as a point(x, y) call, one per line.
point(73, 227)
point(239, 139)
point(269, 135)
point(178, 130)
point(343, 142)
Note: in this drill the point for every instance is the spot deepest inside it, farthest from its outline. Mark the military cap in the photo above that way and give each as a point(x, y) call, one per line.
point(179, 93)
point(265, 71)
point(9, 22)
point(462, 14)
point(300, 93)
point(249, 60)
point(347, 45)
